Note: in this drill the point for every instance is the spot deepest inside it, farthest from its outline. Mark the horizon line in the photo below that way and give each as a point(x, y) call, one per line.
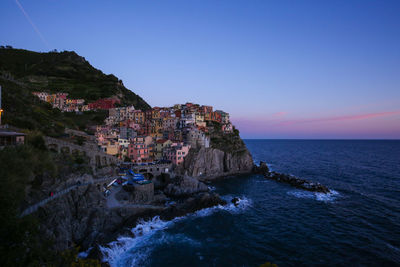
point(328, 139)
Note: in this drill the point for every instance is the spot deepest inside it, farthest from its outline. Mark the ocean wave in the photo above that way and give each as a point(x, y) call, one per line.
point(324, 197)
point(135, 251)
point(84, 254)
point(211, 188)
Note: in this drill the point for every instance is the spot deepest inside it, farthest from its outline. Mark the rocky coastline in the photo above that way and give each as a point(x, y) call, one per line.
point(87, 218)
point(290, 179)
point(83, 217)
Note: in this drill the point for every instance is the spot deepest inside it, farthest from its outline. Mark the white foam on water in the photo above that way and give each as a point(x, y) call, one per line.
point(243, 204)
point(134, 251)
point(84, 254)
point(211, 188)
point(324, 197)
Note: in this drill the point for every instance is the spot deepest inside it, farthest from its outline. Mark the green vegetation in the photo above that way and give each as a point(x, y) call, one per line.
point(228, 142)
point(26, 111)
point(64, 72)
point(23, 72)
point(21, 243)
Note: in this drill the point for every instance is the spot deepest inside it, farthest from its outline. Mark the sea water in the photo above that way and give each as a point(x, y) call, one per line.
point(357, 224)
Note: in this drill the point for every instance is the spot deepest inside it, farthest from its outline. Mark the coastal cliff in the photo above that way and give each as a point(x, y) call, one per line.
point(227, 155)
point(211, 163)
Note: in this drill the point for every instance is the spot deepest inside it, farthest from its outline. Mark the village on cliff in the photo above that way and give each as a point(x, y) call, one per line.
point(157, 135)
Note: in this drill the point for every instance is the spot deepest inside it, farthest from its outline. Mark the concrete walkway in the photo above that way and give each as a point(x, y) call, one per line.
point(34, 207)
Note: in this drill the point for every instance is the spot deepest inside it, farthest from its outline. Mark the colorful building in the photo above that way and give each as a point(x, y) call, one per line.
point(160, 145)
point(138, 151)
point(176, 153)
point(105, 103)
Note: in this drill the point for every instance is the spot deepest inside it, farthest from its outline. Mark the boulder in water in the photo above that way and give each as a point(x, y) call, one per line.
point(262, 168)
point(235, 201)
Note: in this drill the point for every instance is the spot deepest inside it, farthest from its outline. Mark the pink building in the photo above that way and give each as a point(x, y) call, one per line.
point(137, 150)
point(176, 153)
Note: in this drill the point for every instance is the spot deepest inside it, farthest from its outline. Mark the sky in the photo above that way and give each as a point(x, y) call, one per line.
point(282, 69)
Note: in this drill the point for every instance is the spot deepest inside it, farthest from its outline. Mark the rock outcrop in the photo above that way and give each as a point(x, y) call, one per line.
point(192, 204)
point(82, 217)
point(261, 169)
point(297, 182)
point(210, 163)
point(184, 186)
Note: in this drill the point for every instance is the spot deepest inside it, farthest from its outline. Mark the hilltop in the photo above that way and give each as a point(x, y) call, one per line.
point(23, 72)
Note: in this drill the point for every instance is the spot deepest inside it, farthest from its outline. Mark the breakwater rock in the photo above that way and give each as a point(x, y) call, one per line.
point(290, 179)
point(297, 182)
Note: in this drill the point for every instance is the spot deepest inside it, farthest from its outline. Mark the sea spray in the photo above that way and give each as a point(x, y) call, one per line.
point(324, 197)
point(135, 251)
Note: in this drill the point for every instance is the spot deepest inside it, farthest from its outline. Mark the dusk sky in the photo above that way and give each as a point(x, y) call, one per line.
point(282, 69)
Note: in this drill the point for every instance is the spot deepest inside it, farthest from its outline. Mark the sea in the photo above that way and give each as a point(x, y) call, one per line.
point(357, 224)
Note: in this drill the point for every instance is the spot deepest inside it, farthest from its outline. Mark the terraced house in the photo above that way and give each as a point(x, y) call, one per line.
point(161, 133)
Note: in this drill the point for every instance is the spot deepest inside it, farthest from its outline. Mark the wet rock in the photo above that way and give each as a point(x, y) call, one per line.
point(261, 169)
point(235, 201)
point(192, 204)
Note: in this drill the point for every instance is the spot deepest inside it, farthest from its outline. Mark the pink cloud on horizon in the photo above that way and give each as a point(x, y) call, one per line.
point(279, 114)
point(379, 124)
point(343, 118)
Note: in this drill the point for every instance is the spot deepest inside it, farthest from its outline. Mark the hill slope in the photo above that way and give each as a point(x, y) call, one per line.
point(23, 71)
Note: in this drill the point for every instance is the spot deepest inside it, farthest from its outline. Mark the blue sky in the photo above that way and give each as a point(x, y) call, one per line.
point(282, 69)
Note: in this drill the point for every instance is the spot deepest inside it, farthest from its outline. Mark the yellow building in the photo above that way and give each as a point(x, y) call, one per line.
point(138, 116)
point(155, 114)
point(200, 120)
point(112, 149)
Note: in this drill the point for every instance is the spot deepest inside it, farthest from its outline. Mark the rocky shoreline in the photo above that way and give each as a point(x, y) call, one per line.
point(86, 218)
point(179, 207)
point(83, 218)
point(290, 179)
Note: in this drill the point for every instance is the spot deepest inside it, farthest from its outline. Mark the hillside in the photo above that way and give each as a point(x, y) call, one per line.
point(23, 71)
point(65, 71)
